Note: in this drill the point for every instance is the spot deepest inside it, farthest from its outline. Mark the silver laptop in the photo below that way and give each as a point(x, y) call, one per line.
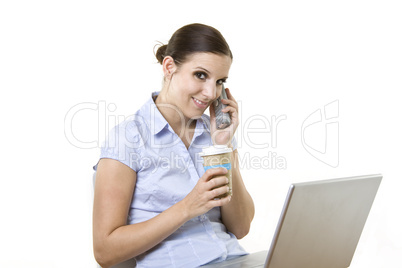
point(320, 225)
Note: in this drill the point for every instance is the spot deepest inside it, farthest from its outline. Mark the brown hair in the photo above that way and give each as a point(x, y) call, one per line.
point(193, 38)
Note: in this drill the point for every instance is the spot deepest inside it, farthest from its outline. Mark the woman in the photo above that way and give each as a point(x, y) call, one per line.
point(153, 200)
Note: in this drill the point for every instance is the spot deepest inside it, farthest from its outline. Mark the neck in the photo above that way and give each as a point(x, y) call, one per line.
point(173, 115)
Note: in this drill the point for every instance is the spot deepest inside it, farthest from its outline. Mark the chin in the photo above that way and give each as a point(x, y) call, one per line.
point(195, 116)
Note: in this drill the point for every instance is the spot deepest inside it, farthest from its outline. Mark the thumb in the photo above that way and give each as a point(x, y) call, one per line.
point(212, 111)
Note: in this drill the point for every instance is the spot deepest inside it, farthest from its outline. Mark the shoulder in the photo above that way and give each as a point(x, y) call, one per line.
point(135, 123)
point(132, 129)
point(124, 142)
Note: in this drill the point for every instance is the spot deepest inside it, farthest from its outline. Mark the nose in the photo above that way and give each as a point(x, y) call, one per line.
point(210, 91)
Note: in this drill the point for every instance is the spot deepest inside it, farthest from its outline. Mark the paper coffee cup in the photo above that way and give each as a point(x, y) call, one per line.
point(219, 156)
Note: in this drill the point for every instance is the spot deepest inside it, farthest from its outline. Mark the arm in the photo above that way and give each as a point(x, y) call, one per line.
point(114, 241)
point(238, 214)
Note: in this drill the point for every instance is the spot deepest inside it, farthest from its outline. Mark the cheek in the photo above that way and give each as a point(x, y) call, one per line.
point(190, 88)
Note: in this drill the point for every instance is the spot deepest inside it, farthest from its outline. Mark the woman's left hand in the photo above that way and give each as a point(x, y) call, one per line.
point(224, 136)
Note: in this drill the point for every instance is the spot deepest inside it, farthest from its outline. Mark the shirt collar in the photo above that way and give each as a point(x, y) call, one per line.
point(203, 123)
point(154, 117)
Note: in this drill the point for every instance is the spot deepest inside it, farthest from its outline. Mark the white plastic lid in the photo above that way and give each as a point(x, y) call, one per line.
point(215, 149)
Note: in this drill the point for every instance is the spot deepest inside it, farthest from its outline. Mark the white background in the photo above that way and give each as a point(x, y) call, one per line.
point(290, 58)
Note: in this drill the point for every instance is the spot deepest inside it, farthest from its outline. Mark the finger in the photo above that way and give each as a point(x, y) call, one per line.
point(229, 109)
point(212, 172)
point(221, 202)
point(217, 182)
point(230, 103)
point(214, 193)
point(230, 96)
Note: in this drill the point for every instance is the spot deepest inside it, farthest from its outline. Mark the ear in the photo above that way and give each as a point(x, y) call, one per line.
point(169, 67)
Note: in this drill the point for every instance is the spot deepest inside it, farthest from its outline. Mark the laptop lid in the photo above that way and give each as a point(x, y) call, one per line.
point(321, 222)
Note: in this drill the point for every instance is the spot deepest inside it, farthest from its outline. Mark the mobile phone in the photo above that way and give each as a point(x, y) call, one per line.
point(222, 119)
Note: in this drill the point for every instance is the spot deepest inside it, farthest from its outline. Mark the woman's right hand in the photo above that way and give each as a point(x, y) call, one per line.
point(203, 196)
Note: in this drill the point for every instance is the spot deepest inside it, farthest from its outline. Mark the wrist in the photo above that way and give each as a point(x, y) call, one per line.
point(228, 144)
point(183, 211)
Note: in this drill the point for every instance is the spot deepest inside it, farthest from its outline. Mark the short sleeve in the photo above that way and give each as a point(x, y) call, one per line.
point(124, 145)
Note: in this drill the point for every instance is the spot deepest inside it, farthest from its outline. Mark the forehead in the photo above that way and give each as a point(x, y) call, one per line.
point(214, 63)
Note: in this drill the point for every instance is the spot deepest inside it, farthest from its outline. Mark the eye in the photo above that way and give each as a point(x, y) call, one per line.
point(221, 81)
point(201, 75)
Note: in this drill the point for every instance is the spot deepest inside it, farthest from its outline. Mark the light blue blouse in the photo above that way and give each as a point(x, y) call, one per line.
point(166, 172)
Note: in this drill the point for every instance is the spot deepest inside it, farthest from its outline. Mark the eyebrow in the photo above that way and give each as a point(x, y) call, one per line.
point(199, 67)
point(208, 72)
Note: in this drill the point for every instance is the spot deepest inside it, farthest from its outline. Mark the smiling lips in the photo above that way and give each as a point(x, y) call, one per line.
point(199, 103)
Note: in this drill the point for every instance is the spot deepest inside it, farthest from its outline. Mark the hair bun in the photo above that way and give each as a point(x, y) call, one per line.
point(192, 38)
point(161, 53)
